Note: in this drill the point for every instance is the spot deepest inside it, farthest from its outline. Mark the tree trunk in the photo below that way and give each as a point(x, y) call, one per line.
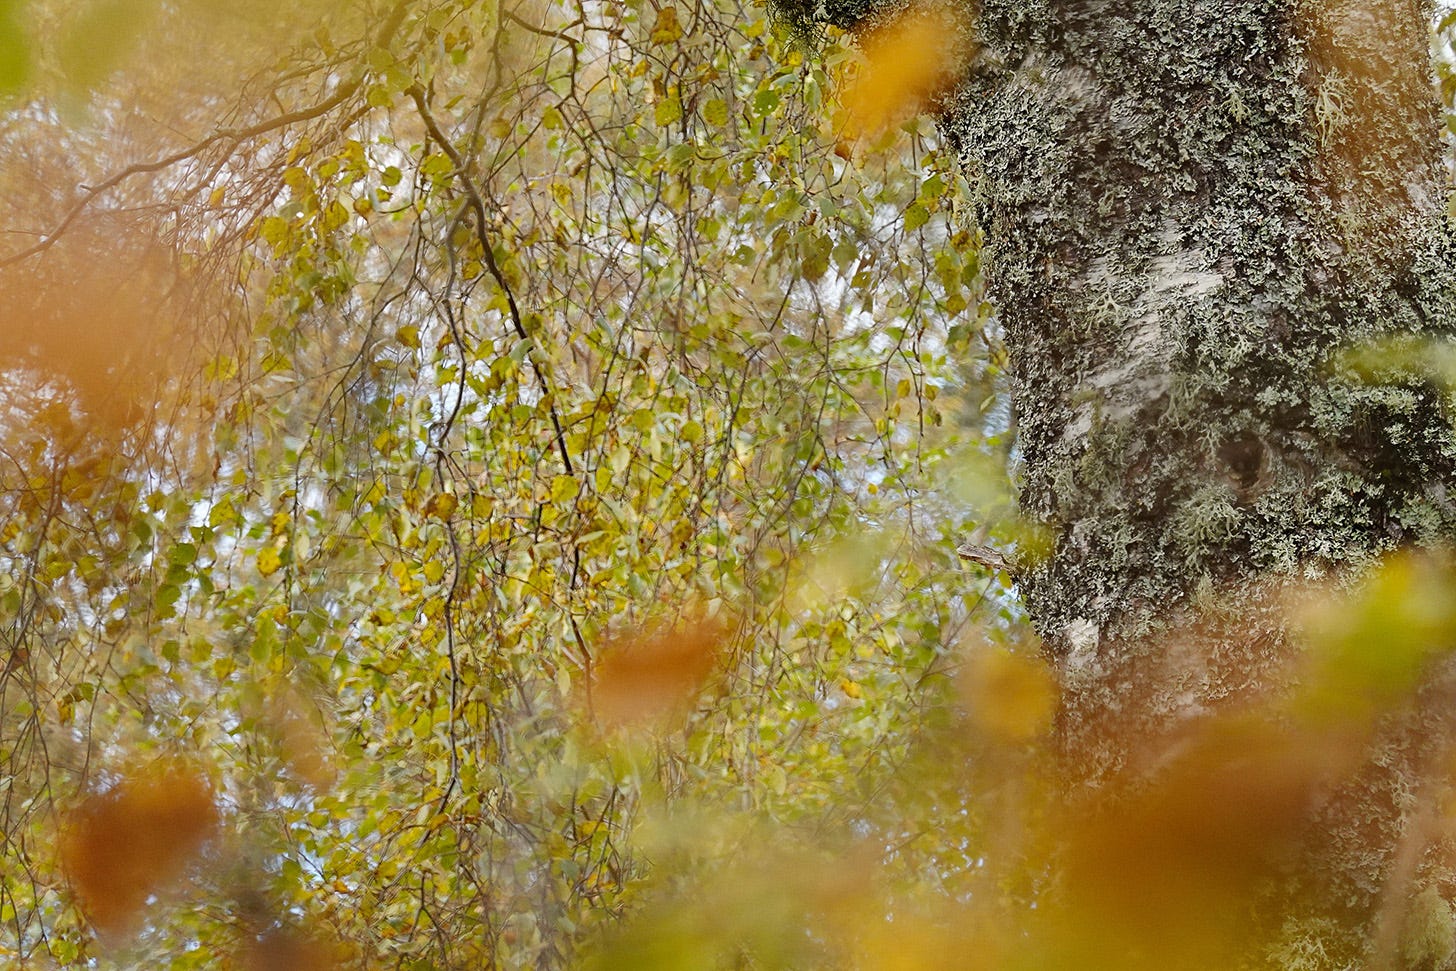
point(1190, 208)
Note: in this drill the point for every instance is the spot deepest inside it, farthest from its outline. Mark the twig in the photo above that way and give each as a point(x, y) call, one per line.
point(989, 557)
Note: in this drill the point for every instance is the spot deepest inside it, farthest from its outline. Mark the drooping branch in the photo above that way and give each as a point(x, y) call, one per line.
point(477, 208)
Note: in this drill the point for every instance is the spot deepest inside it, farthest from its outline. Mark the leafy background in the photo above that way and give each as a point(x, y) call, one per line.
point(511, 458)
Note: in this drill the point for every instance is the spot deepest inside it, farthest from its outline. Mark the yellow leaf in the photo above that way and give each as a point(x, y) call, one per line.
point(715, 112)
point(269, 561)
point(407, 584)
point(564, 488)
point(668, 110)
point(666, 29)
point(441, 505)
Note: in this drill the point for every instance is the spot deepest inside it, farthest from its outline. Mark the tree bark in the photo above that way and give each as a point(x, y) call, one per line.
point(1190, 209)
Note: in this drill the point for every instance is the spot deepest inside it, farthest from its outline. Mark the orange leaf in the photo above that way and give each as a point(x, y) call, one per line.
point(123, 845)
point(907, 64)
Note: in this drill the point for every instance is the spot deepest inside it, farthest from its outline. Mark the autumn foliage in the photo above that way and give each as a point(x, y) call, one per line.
point(650, 676)
point(523, 463)
point(909, 63)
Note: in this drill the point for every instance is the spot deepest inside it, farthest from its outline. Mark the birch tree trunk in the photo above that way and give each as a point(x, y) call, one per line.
point(1190, 207)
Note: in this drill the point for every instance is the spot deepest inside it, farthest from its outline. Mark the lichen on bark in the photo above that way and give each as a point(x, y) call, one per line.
point(1190, 210)
point(1179, 246)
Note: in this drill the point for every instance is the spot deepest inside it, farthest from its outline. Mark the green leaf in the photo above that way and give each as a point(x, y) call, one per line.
point(15, 48)
point(915, 217)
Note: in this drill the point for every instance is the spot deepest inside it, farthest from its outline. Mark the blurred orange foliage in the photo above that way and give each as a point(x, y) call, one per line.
point(303, 741)
point(290, 950)
point(121, 846)
point(93, 315)
point(1167, 859)
point(653, 676)
point(908, 63)
point(1010, 697)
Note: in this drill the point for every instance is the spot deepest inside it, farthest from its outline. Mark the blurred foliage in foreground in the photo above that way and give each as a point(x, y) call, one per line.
point(480, 487)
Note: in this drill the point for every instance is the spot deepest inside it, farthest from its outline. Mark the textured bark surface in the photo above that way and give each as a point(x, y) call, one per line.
point(1190, 207)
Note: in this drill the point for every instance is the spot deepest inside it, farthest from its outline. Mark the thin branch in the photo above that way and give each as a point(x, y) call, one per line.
point(477, 206)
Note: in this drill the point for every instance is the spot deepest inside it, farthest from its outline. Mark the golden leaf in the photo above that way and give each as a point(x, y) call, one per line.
point(441, 505)
point(303, 743)
point(666, 29)
point(1165, 864)
point(269, 561)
